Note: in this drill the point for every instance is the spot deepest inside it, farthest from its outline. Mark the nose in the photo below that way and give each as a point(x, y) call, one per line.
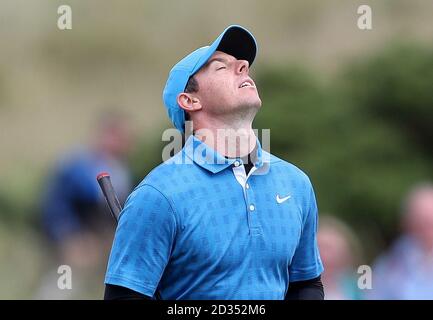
point(243, 67)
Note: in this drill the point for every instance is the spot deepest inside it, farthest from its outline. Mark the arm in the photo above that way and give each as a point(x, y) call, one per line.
point(306, 265)
point(306, 290)
point(143, 242)
point(70, 185)
point(59, 217)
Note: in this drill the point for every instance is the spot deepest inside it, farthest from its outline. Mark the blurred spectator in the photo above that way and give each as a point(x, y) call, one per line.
point(340, 252)
point(75, 217)
point(406, 270)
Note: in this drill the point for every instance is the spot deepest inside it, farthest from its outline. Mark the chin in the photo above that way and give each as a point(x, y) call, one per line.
point(249, 108)
point(251, 103)
point(254, 104)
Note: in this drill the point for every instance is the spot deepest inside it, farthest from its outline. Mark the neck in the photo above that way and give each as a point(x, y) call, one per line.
point(228, 139)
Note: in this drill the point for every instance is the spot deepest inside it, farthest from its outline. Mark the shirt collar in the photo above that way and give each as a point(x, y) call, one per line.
point(211, 160)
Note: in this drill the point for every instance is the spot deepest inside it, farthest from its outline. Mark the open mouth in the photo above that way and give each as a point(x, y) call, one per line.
point(247, 83)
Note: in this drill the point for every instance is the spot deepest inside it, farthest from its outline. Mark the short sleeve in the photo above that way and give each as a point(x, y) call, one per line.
point(143, 241)
point(306, 263)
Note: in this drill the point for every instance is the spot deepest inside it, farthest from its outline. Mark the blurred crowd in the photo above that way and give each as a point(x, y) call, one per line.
point(402, 272)
point(78, 229)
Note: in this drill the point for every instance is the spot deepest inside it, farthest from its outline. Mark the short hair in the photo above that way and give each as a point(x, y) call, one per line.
point(191, 87)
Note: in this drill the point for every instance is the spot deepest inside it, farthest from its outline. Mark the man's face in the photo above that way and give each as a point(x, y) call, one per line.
point(117, 138)
point(420, 217)
point(225, 86)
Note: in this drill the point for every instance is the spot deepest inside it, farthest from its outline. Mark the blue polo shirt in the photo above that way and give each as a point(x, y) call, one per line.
point(199, 227)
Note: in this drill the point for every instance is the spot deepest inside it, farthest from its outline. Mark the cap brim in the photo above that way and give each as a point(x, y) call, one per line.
point(235, 41)
point(239, 43)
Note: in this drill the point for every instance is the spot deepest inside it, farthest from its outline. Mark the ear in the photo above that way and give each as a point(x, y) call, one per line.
point(188, 102)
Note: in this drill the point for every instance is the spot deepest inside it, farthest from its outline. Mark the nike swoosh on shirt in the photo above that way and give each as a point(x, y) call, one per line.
point(281, 200)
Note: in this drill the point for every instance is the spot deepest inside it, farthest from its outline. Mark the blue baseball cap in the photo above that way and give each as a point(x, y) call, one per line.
point(234, 40)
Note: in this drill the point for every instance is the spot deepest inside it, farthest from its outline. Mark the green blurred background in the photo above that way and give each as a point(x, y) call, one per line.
point(352, 108)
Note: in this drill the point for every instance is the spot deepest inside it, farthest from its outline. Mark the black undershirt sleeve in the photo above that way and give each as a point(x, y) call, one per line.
point(306, 290)
point(113, 292)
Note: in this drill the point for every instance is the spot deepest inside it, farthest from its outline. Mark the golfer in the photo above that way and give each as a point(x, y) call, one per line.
point(219, 220)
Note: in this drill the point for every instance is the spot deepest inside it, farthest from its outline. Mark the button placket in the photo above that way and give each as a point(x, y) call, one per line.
point(251, 204)
point(250, 201)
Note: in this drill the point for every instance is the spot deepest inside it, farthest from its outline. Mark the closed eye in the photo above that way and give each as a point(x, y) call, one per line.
point(221, 68)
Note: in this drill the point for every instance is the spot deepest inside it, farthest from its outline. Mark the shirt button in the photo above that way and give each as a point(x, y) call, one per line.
point(252, 207)
point(247, 186)
point(237, 163)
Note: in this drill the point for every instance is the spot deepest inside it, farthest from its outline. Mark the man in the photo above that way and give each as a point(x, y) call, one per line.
point(217, 221)
point(404, 272)
point(341, 253)
point(73, 210)
point(73, 203)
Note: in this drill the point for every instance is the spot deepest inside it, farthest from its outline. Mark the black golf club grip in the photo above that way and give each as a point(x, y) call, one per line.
point(110, 195)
